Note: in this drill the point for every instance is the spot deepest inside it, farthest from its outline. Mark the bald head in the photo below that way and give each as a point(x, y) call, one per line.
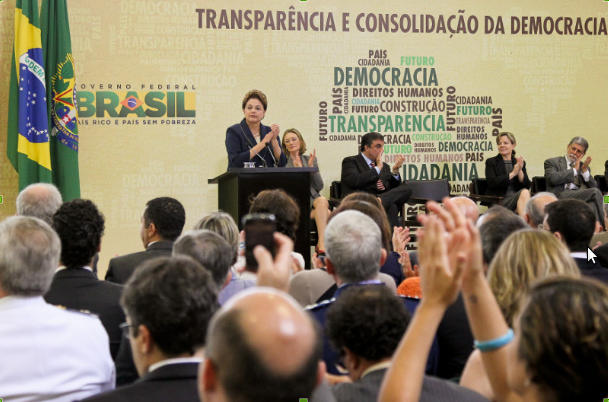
point(261, 346)
point(40, 200)
point(468, 207)
point(535, 206)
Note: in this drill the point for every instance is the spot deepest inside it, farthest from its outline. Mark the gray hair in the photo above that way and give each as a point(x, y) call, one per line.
point(580, 141)
point(353, 245)
point(223, 224)
point(40, 200)
point(532, 208)
point(29, 255)
point(207, 248)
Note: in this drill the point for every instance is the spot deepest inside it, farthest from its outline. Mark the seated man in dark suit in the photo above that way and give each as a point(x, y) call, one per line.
point(366, 325)
point(169, 302)
point(573, 222)
point(569, 177)
point(162, 223)
point(367, 172)
point(80, 227)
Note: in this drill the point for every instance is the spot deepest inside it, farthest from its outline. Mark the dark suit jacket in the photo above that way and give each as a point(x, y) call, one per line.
point(121, 268)
point(557, 174)
point(592, 270)
point(497, 177)
point(436, 390)
point(174, 382)
point(357, 175)
point(79, 289)
point(239, 140)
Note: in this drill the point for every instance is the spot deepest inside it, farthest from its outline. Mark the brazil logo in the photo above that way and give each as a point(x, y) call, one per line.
point(64, 104)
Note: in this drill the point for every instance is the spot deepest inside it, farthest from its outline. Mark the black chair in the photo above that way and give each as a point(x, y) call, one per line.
point(422, 191)
point(602, 182)
point(477, 192)
point(538, 184)
point(427, 190)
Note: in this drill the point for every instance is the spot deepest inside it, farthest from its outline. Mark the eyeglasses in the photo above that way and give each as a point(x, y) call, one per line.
point(125, 329)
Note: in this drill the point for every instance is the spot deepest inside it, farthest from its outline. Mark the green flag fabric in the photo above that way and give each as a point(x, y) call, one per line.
point(27, 131)
point(61, 97)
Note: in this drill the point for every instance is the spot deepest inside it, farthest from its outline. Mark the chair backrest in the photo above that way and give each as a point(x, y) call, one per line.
point(429, 189)
point(602, 182)
point(538, 184)
point(335, 190)
point(480, 185)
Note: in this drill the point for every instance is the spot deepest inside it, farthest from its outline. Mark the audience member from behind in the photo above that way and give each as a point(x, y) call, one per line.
point(524, 257)
point(247, 361)
point(169, 302)
point(573, 223)
point(80, 227)
point(40, 200)
point(162, 223)
point(354, 256)
point(211, 251)
point(496, 225)
point(50, 354)
point(287, 216)
point(366, 325)
point(559, 351)
point(535, 207)
point(223, 224)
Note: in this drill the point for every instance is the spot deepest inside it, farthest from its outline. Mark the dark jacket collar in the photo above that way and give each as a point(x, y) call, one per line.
point(172, 371)
point(75, 273)
point(160, 245)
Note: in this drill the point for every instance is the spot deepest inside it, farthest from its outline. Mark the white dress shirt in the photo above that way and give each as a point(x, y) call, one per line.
point(51, 354)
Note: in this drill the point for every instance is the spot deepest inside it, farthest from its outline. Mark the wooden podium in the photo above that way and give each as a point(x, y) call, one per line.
point(238, 186)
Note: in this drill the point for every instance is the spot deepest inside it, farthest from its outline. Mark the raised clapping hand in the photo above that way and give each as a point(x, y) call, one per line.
point(586, 164)
point(398, 163)
point(311, 162)
point(467, 241)
point(273, 134)
point(276, 273)
point(441, 254)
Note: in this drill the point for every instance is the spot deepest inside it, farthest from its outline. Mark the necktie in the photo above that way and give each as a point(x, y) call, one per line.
point(576, 180)
point(379, 184)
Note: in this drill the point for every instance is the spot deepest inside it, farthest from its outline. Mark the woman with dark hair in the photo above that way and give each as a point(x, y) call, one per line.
point(287, 216)
point(506, 175)
point(294, 147)
point(250, 140)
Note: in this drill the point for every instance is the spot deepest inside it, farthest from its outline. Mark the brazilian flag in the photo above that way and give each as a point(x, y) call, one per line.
point(61, 97)
point(28, 135)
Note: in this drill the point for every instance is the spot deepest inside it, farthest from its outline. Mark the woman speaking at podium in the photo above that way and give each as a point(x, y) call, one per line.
point(250, 140)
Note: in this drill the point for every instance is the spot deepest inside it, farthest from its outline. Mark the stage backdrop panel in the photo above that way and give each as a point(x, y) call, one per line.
point(160, 81)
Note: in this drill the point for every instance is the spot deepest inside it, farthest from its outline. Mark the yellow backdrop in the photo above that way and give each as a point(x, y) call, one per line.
point(160, 81)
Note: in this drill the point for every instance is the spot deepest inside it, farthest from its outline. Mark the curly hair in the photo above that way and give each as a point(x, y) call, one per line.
point(254, 94)
point(168, 216)
point(283, 206)
point(368, 320)
point(80, 227)
point(563, 342)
